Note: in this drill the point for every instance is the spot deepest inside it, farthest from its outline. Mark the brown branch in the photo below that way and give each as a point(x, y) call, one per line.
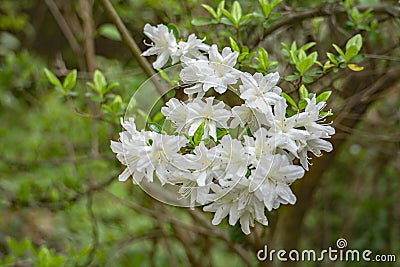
point(62, 23)
point(322, 12)
point(131, 44)
point(88, 28)
point(90, 56)
point(208, 229)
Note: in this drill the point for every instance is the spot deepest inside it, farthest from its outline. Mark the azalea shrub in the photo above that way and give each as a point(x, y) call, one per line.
point(234, 161)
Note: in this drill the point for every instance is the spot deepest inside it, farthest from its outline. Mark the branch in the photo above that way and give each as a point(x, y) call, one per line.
point(323, 12)
point(62, 23)
point(88, 26)
point(131, 44)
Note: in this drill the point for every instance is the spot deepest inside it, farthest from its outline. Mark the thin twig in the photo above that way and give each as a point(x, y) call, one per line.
point(131, 44)
point(62, 23)
point(88, 28)
point(322, 12)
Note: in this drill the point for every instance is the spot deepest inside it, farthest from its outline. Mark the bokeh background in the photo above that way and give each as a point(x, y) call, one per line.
point(61, 203)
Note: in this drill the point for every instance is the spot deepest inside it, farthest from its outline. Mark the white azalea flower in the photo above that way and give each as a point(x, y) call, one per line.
point(160, 152)
point(191, 48)
point(164, 44)
point(315, 145)
point(232, 157)
point(244, 115)
point(310, 120)
point(189, 188)
point(176, 111)
point(272, 178)
point(127, 152)
point(212, 116)
point(283, 132)
point(260, 146)
point(239, 204)
point(202, 162)
point(216, 73)
point(260, 92)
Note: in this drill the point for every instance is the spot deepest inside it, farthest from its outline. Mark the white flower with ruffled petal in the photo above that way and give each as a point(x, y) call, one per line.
point(272, 178)
point(213, 116)
point(164, 44)
point(283, 130)
point(176, 111)
point(260, 92)
point(128, 151)
point(192, 48)
point(202, 162)
point(232, 158)
point(245, 116)
point(237, 202)
point(218, 72)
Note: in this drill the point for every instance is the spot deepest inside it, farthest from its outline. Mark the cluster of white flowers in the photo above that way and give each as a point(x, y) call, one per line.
point(237, 175)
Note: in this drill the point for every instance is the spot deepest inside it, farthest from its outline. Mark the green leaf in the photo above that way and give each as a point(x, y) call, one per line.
point(356, 41)
point(355, 15)
point(338, 49)
point(276, 2)
point(332, 58)
point(111, 86)
point(314, 56)
point(307, 79)
point(289, 100)
point(228, 15)
point(303, 92)
point(220, 8)
point(171, 93)
point(301, 55)
point(188, 138)
point(53, 79)
point(294, 57)
point(202, 21)
point(351, 52)
point(221, 132)
point(234, 45)
point(293, 47)
point(291, 78)
point(198, 135)
point(323, 97)
point(236, 12)
point(262, 58)
point(172, 27)
point(302, 104)
point(70, 80)
point(210, 10)
point(158, 117)
point(245, 19)
point(99, 82)
point(266, 7)
point(155, 127)
point(308, 46)
point(109, 31)
point(305, 65)
point(290, 112)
